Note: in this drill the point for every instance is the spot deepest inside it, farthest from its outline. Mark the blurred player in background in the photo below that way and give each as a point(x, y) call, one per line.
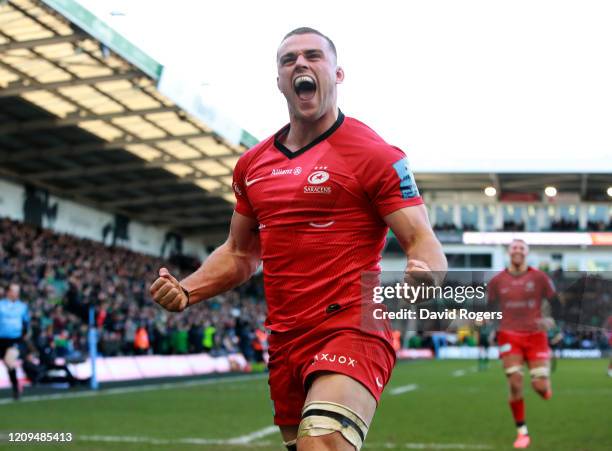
point(520, 293)
point(314, 203)
point(14, 322)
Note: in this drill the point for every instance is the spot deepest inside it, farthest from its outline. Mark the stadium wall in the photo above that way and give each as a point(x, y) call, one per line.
point(129, 368)
point(472, 353)
point(37, 207)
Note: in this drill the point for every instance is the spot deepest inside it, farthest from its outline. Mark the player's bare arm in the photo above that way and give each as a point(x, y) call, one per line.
point(426, 260)
point(230, 265)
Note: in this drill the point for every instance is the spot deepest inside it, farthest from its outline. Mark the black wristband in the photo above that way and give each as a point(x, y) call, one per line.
point(186, 294)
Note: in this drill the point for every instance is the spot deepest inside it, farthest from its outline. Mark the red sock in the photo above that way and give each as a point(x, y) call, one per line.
point(518, 411)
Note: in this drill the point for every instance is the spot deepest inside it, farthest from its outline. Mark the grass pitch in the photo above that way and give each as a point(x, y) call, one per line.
point(429, 405)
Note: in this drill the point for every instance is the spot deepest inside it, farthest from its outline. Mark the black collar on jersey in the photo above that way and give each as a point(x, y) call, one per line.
point(289, 154)
point(529, 269)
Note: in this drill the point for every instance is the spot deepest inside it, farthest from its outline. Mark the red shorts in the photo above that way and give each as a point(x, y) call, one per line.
point(366, 356)
point(530, 345)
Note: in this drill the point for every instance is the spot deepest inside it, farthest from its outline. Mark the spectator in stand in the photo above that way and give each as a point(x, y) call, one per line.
point(514, 226)
point(141, 341)
point(63, 276)
point(445, 227)
point(564, 225)
point(599, 226)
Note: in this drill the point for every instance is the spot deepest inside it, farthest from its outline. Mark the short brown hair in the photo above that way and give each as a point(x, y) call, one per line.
point(519, 240)
point(308, 30)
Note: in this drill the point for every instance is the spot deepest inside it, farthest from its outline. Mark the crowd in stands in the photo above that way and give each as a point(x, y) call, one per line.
point(564, 225)
point(445, 227)
point(514, 226)
point(556, 225)
point(599, 226)
point(452, 227)
point(62, 276)
point(571, 225)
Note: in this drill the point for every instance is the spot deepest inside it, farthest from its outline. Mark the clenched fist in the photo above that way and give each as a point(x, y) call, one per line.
point(418, 272)
point(168, 293)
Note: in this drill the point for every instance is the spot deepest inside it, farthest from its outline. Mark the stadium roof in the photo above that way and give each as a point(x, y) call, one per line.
point(81, 114)
point(88, 116)
point(586, 187)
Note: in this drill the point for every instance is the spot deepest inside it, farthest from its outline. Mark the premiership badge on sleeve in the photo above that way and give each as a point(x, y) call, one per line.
point(408, 186)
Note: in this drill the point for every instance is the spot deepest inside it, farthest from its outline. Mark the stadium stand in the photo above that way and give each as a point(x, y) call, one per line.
point(62, 276)
point(87, 117)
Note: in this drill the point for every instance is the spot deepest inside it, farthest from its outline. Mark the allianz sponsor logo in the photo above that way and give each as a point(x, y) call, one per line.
point(295, 171)
point(333, 358)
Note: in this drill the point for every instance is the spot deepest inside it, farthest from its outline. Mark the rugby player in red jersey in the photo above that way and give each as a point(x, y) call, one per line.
point(314, 204)
point(520, 293)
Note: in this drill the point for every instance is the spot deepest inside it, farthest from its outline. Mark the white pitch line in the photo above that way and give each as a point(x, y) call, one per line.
point(460, 373)
point(123, 439)
point(246, 439)
point(403, 389)
point(427, 446)
point(445, 446)
point(160, 441)
point(136, 389)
